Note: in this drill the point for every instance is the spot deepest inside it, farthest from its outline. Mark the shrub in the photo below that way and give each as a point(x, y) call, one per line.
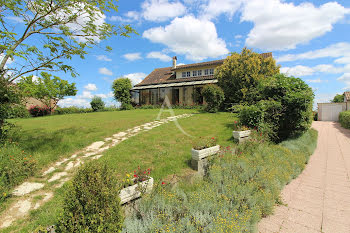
point(71, 110)
point(241, 187)
point(18, 111)
point(214, 96)
point(315, 115)
point(15, 166)
point(91, 202)
point(126, 106)
point(97, 104)
point(121, 89)
point(37, 111)
point(344, 119)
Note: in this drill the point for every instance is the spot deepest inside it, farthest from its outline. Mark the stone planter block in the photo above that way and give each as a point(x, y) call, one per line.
point(201, 154)
point(132, 192)
point(241, 134)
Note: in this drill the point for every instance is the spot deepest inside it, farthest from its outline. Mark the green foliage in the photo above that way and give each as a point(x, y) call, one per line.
point(214, 96)
point(121, 89)
point(240, 73)
point(125, 106)
point(97, 104)
point(18, 111)
point(315, 115)
point(70, 110)
point(37, 111)
point(339, 98)
point(92, 202)
point(203, 143)
point(15, 166)
point(240, 189)
point(9, 97)
point(344, 119)
point(46, 89)
point(296, 99)
point(52, 33)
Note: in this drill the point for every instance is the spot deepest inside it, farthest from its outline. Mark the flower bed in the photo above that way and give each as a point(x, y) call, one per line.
point(135, 191)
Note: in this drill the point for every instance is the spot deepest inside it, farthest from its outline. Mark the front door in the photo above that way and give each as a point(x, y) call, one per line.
point(176, 95)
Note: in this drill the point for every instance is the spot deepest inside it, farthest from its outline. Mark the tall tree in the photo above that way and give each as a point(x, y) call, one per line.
point(240, 74)
point(339, 98)
point(121, 89)
point(50, 32)
point(46, 89)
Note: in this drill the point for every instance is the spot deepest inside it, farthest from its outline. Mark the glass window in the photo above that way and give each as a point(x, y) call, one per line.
point(188, 74)
point(206, 72)
point(211, 71)
point(183, 74)
point(194, 73)
point(199, 72)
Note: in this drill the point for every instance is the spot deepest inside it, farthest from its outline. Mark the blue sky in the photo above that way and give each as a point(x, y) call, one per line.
point(309, 39)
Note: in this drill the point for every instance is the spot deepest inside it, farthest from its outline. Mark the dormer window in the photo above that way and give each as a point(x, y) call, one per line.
point(199, 72)
point(194, 73)
point(188, 74)
point(184, 74)
point(206, 72)
point(211, 71)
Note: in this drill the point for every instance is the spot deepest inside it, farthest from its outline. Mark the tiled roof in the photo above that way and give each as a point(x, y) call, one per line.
point(347, 95)
point(165, 75)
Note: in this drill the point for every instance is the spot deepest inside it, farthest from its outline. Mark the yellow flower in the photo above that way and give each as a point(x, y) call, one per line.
point(128, 175)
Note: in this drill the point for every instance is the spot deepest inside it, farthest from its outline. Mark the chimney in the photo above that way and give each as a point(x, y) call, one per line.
point(174, 62)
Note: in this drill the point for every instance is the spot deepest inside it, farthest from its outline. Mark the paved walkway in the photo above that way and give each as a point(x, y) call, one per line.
point(319, 199)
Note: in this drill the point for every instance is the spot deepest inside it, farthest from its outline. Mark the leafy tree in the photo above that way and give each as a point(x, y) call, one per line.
point(51, 32)
point(97, 104)
point(240, 73)
point(214, 96)
point(121, 89)
point(339, 98)
point(46, 89)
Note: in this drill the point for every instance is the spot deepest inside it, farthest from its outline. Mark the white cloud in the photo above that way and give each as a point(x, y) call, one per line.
point(281, 26)
point(79, 102)
point(132, 56)
point(297, 71)
point(159, 55)
point(238, 36)
point(195, 38)
point(346, 79)
point(105, 71)
point(128, 17)
point(162, 10)
point(86, 95)
point(213, 8)
point(15, 19)
point(136, 77)
point(90, 87)
point(103, 96)
point(103, 58)
point(314, 80)
point(335, 50)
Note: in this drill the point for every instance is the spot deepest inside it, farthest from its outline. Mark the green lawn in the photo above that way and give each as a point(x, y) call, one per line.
point(165, 149)
point(49, 138)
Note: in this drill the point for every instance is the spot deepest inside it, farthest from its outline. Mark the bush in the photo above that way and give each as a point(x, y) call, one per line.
point(315, 115)
point(214, 96)
point(126, 106)
point(91, 202)
point(18, 111)
point(15, 166)
point(121, 90)
point(71, 110)
point(344, 119)
point(241, 187)
point(37, 111)
point(97, 104)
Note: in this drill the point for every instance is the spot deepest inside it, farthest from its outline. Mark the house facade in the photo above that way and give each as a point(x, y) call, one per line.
point(181, 84)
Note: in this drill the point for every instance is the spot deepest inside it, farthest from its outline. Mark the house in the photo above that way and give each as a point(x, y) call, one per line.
point(347, 99)
point(182, 84)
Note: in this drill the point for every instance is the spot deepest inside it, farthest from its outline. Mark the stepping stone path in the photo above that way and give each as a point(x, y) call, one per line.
point(63, 170)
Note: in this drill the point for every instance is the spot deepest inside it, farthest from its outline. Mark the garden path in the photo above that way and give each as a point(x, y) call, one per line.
point(38, 190)
point(319, 199)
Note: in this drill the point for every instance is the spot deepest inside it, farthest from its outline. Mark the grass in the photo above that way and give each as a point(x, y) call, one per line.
point(165, 149)
point(49, 138)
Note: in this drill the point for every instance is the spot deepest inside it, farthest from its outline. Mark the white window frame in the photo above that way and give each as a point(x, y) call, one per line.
point(194, 73)
point(199, 72)
point(184, 74)
point(188, 74)
point(206, 72)
point(211, 71)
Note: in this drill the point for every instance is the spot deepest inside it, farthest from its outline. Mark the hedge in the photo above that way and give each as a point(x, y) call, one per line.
point(344, 119)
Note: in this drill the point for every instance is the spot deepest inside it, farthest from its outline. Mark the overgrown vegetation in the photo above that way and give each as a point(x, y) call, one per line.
point(92, 202)
point(15, 166)
point(344, 119)
point(242, 186)
point(214, 96)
